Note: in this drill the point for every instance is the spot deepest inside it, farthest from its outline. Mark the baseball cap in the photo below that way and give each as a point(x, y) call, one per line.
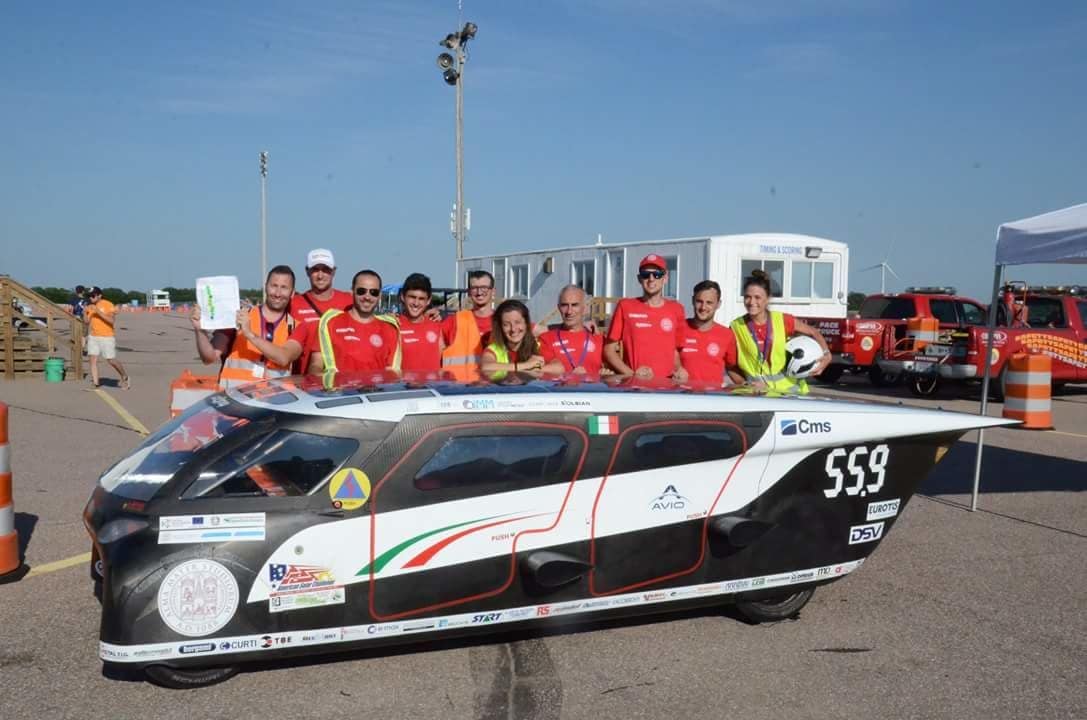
point(320, 256)
point(653, 260)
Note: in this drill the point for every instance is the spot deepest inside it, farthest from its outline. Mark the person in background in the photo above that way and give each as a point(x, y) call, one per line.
point(513, 347)
point(308, 307)
point(467, 332)
point(571, 348)
point(642, 339)
point(357, 339)
point(100, 315)
point(707, 349)
point(420, 337)
point(77, 301)
point(761, 335)
point(243, 352)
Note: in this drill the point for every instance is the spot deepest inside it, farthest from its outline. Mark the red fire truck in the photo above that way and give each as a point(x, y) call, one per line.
point(856, 342)
point(1047, 320)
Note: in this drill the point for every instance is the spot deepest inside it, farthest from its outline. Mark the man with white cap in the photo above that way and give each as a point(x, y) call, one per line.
point(308, 307)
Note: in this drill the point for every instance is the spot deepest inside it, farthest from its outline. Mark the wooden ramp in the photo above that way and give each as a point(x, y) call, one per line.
point(32, 328)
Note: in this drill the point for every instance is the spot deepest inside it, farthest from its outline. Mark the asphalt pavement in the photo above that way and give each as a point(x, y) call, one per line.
point(956, 615)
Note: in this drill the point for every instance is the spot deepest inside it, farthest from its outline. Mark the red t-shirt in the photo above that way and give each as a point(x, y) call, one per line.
point(359, 347)
point(419, 346)
point(303, 312)
point(706, 354)
point(483, 324)
point(648, 333)
point(760, 331)
point(579, 347)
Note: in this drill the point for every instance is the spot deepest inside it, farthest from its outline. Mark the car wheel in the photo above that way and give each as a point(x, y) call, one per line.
point(177, 679)
point(832, 374)
point(782, 607)
point(996, 384)
point(924, 385)
point(881, 379)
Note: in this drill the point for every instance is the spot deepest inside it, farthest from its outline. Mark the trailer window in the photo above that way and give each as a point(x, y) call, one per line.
point(774, 268)
point(499, 273)
point(673, 276)
point(519, 281)
point(582, 275)
point(812, 279)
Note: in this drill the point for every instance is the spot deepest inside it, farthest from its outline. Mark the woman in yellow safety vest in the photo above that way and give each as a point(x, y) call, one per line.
point(513, 346)
point(761, 335)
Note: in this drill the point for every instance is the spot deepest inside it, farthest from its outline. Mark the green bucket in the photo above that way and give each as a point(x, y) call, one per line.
point(54, 369)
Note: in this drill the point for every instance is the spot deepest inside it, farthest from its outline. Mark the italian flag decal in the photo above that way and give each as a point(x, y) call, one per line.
point(604, 425)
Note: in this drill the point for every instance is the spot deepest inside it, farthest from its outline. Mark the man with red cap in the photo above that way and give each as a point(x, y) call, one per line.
point(645, 331)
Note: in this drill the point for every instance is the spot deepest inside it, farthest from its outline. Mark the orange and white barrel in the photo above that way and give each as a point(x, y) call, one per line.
point(189, 389)
point(922, 331)
point(9, 538)
point(1028, 391)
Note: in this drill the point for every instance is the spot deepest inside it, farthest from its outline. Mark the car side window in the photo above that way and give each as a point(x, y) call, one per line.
point(944, 311)
point(473, 460)
point(1045, 313)
point(283, 463)
point(658, 447)
point(1082, 305)
point(894, 308)
point(972, 314)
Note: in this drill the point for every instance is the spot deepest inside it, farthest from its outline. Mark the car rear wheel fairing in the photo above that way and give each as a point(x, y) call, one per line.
point(772, 609)
point(177, 679)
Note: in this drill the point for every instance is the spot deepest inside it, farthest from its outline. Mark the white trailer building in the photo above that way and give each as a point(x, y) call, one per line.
point(809, 274)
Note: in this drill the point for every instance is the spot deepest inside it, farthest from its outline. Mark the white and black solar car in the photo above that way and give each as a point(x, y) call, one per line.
point(290, 518)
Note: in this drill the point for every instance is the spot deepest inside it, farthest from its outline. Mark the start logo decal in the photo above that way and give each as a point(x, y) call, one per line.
point(198, 598)
point(349, 489)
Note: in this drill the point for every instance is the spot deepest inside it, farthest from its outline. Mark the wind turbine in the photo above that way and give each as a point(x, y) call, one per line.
point(884, 268)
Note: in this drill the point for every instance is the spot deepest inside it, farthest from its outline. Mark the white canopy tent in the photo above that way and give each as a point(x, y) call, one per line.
point(1055, 237)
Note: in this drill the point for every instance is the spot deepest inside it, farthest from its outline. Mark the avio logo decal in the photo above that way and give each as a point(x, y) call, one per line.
point(803, 427)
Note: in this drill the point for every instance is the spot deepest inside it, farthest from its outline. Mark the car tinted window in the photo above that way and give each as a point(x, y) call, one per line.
point(1082, 305)
point(658, 447)
point(973, 314)
point(944, 311)
point(1045, 313)
point(888, 308)
point(470, 461)
point(283, 463)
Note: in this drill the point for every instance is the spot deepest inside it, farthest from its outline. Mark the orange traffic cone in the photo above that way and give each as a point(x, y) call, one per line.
point(9, 538)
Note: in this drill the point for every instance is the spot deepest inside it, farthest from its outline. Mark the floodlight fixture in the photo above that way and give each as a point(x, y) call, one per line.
point(468, 32)
point(452, 40)
point(445, 61)
point(451, 76)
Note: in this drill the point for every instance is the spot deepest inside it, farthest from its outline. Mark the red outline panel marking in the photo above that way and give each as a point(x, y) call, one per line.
point(513, 550)
point(705, 521)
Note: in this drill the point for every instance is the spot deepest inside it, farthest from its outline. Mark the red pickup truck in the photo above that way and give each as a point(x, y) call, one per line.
point(856, 342)
point(1050, 320)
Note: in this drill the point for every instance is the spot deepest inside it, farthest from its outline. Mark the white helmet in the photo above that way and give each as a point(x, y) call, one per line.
point(802, 354)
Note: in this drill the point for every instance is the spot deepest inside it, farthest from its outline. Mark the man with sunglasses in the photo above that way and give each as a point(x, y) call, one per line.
point(467, 332)
point(357, 340)
point(644, 332)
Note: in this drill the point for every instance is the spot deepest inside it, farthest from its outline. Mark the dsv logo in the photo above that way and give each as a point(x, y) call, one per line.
point(803, 427)
point(865, 533)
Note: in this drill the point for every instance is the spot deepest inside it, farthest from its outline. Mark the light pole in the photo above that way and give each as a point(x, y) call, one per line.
point(452, 67)
point(263, 221)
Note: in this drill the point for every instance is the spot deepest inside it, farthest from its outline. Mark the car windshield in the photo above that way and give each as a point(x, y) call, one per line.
point(139, 475)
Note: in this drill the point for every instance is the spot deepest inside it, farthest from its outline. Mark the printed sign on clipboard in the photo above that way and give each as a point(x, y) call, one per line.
point(219, 301)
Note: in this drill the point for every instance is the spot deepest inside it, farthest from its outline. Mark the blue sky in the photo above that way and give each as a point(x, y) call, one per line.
point(909, 130)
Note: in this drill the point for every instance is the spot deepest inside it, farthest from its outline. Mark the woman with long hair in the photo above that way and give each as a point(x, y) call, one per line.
point(513, 347)
point(761, 335)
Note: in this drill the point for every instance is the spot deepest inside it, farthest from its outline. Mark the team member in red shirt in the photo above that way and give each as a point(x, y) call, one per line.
point(357, 340)
point(707, 349)
point(571, 348)
point(308, 307)
point(420, 337)
point(646, 329)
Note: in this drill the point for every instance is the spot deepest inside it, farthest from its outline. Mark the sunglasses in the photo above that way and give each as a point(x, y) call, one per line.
point(320, 268)
point(479, 288)
point(372, 292)
point(646, 274)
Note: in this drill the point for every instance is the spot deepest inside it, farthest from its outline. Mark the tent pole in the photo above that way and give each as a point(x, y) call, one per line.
point(990, 331)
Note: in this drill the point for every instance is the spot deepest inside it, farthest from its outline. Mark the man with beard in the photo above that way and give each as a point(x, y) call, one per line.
point(707, 349)
point(357, 340)
point(239, 351)
point(308, 307)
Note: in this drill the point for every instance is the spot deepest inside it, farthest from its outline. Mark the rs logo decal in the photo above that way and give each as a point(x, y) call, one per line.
point(855, 466)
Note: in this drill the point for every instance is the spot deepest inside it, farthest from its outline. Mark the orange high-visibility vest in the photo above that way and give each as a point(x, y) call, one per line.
point(461, 359)
point(245, 364)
